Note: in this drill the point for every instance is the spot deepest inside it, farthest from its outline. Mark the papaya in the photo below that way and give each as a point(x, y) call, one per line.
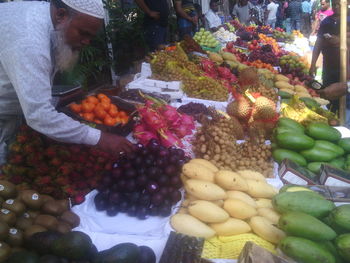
point(315, 167)
point(322, 131)
point(329, 220)
point(318, 155)
point(345, 144)
point(328, 245)
point(280, 154)
point(322, 144)
point(283, 129)
point(287, 122)
point(300, 224)
point(341, 216)
point(284, 94)
point(305, 251)
point(342, 244)
point(338, 163)
point(308, 202)
point(293, 141)
point(310, 103)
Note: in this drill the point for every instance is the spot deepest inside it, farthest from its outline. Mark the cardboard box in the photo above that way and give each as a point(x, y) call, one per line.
point(292, 173)
point(331, 176)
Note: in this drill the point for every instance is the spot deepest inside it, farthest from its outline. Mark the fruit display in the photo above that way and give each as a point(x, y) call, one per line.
point(162, 121)
point(216, 141)
point(296, 66)
point(76, 246)
point(99, 109)
point(316, 230)
point(224, 203)
point(263, 55)
point(224, 35)
point(143, 184)
point(205, 38)
point(310, 146)
point(25, 213)
point(283, 36)
point(196, 110)
point(297, 33)
point(175, 65)
point(270, 41)
point(49, 167)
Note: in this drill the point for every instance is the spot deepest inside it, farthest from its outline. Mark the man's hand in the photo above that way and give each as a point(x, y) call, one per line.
point(114, 144)
point(312, 70)
point(334, 91)
point(333, 41)
point(154, 15)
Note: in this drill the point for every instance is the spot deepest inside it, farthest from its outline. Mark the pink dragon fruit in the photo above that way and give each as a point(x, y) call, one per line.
point(168, 139)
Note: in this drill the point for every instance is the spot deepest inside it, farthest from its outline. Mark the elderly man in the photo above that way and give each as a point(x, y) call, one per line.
point(37, 40)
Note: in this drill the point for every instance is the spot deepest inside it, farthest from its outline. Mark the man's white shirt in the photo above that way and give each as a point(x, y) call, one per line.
point(213, 19)
point(26, 73)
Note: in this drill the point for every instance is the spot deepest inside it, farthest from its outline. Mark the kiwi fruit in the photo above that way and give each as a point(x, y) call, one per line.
point(64, 203)
point(33, 214)
point(33, 229)
point(63, 227)
point(52, 208)
point(7, 216)
point(70, 218)
point(15, 237)
point(24, 222)
point(47, 198)
point(7, 190)
point(4, 230)
point(15, 206)
point(47, 221)
point(5, 251)
point(32, 199)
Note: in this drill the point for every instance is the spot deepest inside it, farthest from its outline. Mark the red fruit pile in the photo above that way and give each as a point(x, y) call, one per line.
point(162, 122)
point(60, 170)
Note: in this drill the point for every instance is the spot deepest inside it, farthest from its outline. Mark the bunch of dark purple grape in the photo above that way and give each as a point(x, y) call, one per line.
point(144, 183)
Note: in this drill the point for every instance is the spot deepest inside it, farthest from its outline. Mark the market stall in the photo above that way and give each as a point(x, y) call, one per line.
point(233, 149)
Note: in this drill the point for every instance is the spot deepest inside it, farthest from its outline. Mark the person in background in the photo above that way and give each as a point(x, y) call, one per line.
point(328, 44)
point(201, 18)
point(212, 18)
point(295, 14)
point(155, 21)
point(242, 11)
point(271, 12)
point(286, 11)
point(187, 18)
point(325, 11)
point(38, 40)
point(305, 17)
point(257, 13)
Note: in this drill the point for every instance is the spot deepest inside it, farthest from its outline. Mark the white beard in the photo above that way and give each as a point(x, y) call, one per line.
point(65, 56)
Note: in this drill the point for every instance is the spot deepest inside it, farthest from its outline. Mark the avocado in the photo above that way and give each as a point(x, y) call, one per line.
point(64, 203)
point(7, 216)
point(147, 255)
point(42, 241)
point(33, 214)
point(122, 253)
point(74, 245)
point(47, 221)
point(15, 237)
point(4, 230)
point(5, 251)
point(50, 259)
point(15, 206)
point(24, 222)
point(23, 257)
point(32, 199)
point(32, 230)
point(7, 189)
point(342, 243)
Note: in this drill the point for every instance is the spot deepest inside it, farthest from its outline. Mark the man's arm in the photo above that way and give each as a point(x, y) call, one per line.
point(145, 8)
point(179, 10)
point(315, 54)
point(334, 91)
point(29, 68)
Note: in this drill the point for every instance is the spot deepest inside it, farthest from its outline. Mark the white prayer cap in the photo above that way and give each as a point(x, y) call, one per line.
point(90, 7)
